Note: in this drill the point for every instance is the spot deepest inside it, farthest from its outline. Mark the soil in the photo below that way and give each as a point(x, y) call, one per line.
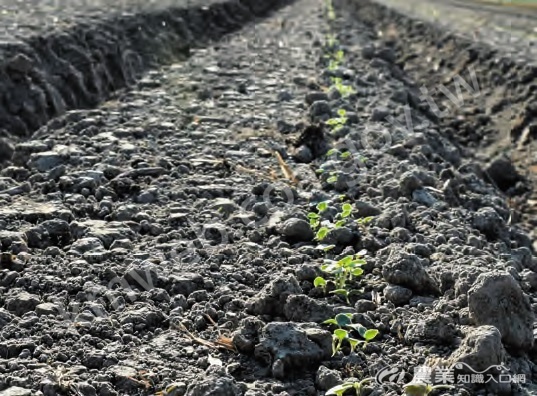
point(161, 242)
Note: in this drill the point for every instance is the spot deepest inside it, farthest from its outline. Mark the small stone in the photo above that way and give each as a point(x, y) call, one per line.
point(303, 154)
point(222, 385)
point(326, 378)
point(16, 391)
point(21, 303)
point(480, 349)
point(292, 344)
point(47, 309)
point(45, 161)
point(301, 308)
point(312, 97)
point(380, 113)
point(398, 295)
point(489, 222)
point(297, 229)
point(409, 182)
point(320, 108)
point(406, 269)
point(272, 298)
point(363, 306)
point(496, 299)
point(502, 171)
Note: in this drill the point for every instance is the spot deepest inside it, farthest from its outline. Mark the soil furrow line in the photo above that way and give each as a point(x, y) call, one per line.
point(79, 63)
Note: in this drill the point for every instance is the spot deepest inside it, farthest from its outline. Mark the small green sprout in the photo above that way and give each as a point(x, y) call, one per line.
point(320, 282)
point(333, 65)
point(345, 269)
point(339, 55)
point(336, 60)
point(343, 89)
point(342, 321)
point(339, 390)
point(331, 152)
point(340, 223)
point(332, 178)
point(338, 122)
point(363, 222)
point(331, 41)
point(314, 219)
point(422, 389)
point(322, 206)
point(321, 233)
point(331, 11)
point(347, 210)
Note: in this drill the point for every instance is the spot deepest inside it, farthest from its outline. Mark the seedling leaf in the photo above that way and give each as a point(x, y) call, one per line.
point(331, 152)
point(319, 282)
point(321, 234)
point(322, 206)
point(341, 334)
point(347, 207)
point(343, 320)
point(354, 343)
point(370, 334)
point(359, 328)
point(339, 390)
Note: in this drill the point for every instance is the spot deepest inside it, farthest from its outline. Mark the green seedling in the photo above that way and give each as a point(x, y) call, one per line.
point(339, 390)
point(335, 60)
point(322, 206)
point(345, 269)
point(422, 389)
point(331, 41)
point(363, 222)
point(331, 152)
point(320, 282)
point(343, 89)
point(321, 233)
point(338, 122)
point(314, 219)
point(330, 10)
point(347, 210)
point(342, 155)
point(344, 215)
point(332, 178)
point(339, 55)
point(333, 65)
point(344, 321)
